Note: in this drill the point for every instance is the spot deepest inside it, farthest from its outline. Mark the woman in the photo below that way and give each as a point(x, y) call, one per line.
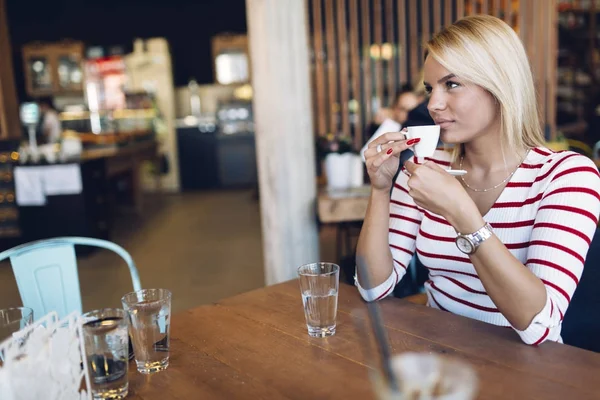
point(506, 243)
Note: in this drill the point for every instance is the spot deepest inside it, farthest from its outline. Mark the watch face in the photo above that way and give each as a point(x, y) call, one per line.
point(464, 245)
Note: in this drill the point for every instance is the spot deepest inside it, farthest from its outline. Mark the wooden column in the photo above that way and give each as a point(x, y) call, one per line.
point(278, 36)
point(10, 127)
point(319, 79)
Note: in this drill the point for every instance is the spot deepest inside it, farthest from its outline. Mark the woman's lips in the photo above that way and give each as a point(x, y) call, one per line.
point(445, 124)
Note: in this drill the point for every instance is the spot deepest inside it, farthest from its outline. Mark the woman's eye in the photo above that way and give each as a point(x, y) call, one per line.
point(428, 89)
point(452, 85)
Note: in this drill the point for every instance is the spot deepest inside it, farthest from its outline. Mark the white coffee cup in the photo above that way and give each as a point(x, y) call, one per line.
point(429, 135)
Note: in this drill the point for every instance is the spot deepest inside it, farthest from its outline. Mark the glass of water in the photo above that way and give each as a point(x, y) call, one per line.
point(319, 284)
point(149, 319)
point(107, 352)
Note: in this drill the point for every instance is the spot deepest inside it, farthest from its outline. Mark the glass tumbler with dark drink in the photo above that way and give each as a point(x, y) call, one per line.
point(106, 348)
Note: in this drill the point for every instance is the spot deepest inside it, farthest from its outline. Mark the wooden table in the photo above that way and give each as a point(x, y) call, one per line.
point(255, 346)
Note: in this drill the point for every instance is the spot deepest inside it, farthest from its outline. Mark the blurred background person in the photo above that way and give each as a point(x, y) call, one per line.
point(50, 123)
point(393, 119)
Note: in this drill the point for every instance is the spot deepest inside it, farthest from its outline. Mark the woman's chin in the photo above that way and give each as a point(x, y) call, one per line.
point(449, 138)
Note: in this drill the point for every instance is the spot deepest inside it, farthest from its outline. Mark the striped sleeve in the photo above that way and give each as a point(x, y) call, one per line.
point(564, 225)
point(405, 220)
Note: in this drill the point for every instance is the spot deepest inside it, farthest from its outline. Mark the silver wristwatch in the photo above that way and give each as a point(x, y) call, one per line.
point(468, 244)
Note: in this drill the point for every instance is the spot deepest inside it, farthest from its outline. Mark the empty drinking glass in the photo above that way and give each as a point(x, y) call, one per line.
point(319, 286)
point(149, 313)
point(107, 352)
point(13, 320)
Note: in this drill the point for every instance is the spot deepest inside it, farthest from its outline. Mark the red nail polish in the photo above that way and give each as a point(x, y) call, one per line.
point(390, 151)
point(413, 141)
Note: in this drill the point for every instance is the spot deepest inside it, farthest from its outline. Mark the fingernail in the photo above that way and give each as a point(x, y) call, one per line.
point(413, 141)
point(390, 151)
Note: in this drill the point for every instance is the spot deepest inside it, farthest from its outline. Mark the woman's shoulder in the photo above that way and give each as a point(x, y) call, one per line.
point(549, 158)
point(552, 165)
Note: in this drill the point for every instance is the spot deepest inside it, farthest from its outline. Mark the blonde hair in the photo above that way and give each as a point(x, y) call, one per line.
point(418, 87)
point(485, 51)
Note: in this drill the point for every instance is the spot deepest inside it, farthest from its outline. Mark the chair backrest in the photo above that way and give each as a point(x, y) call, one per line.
point(580, 147)
point(46, 273)
point(581, 326)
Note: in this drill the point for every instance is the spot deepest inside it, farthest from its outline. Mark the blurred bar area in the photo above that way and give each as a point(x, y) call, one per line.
point(88, 129)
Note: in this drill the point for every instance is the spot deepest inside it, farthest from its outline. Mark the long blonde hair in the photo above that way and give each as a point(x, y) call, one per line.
point(418, 87)
point(485, 51)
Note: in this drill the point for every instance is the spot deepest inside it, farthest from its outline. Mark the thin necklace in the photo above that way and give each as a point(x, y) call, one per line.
point(493, 187)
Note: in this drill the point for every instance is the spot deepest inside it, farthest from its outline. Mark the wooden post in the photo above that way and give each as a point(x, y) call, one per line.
point(278, 36)
point(332, 67)
point(10, 126)
point(357, 75)
point(319, 80)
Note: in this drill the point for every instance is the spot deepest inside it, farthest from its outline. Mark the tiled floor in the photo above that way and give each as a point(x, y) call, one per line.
point(203, 246)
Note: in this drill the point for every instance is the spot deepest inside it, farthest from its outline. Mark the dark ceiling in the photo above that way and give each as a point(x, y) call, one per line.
point(188, 25)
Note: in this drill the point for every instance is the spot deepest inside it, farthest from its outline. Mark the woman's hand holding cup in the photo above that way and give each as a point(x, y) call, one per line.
point(382, 158)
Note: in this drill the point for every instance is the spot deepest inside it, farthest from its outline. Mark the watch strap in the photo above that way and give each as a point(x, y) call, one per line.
point(475, 239)
point(481, 235)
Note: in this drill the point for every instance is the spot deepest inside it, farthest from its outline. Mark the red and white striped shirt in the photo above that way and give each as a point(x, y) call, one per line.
point(546, 217)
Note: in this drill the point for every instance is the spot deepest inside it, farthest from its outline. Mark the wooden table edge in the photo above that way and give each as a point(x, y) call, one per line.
point(445, 345)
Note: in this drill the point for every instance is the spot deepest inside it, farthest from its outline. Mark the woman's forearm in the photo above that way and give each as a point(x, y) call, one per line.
point(373, 243)
point(517, 293)
point(514, 289)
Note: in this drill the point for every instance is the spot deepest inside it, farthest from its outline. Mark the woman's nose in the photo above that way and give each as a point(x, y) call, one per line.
point(437, 101)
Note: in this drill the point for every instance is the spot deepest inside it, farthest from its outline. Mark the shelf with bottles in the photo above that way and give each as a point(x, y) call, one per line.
point(578, 72)
point(102, 122)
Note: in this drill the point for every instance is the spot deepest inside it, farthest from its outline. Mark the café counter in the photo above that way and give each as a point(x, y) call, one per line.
point(75, 199)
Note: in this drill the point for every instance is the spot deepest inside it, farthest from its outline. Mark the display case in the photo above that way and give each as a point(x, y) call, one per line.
point(53, 68)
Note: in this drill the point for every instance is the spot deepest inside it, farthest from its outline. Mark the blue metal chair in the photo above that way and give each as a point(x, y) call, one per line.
point(46, 273)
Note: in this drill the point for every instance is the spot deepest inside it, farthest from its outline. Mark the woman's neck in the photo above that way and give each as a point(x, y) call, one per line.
point(489, 155)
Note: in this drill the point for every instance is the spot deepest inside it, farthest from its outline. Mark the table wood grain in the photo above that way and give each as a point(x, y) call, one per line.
point(255, 346)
